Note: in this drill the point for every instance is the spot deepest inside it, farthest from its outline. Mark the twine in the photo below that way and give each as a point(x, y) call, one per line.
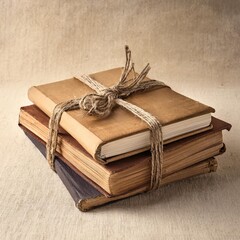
point(101, 103)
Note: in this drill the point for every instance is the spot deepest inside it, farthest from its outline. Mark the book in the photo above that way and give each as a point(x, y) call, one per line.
point(133, 172)
point(122, 134)
point(87, 197)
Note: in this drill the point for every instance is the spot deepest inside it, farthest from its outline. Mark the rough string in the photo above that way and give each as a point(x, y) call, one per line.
point(101, 103)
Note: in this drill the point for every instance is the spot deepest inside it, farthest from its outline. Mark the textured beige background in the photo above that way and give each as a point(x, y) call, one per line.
point(194, 46)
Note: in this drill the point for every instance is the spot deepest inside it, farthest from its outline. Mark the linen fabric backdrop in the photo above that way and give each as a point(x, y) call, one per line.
point(193, 46)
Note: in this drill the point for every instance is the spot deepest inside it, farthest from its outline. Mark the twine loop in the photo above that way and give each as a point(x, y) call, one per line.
point(102, 102)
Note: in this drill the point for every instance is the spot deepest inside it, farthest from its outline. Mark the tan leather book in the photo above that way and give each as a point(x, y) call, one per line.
point(132, 172)
point(122, 134)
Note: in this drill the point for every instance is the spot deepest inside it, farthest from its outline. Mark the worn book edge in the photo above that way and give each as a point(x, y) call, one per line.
point(171, 169)
point(96, 198)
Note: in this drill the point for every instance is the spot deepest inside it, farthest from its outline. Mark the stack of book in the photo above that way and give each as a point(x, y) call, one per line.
point(103, 160)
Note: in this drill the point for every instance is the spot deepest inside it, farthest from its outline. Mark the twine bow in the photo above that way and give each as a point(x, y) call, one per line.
point(101, 103)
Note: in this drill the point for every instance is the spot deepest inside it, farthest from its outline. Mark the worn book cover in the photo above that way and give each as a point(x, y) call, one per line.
point(122, 134)
point(132, 172)
point(86, 196)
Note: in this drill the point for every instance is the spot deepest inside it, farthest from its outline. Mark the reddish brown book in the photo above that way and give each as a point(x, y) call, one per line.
point(131, 173)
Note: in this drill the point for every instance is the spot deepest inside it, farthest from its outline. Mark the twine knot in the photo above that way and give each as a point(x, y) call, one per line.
point(100, 104)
